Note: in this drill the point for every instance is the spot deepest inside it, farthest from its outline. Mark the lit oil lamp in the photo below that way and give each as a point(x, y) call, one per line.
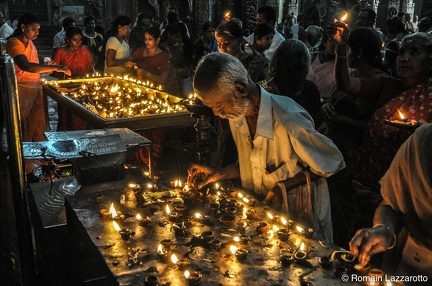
point(283, 234)
point(307, 233)
point(251, 214)
point(239, 253)
point(115, 215)
point(262, 227)
point(162, 253)
point(301, 253)
point(193, 278)
point(227, 16)
point(181, 263)
point(143, 220)
point(125, 233)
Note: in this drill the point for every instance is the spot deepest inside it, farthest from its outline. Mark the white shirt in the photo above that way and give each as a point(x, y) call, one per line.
point(286, 143)
point(5, 31)
point(277, 40)
point(122, 52)
point(59, 39)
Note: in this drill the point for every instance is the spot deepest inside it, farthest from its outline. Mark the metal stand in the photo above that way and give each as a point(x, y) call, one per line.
point(202, 152)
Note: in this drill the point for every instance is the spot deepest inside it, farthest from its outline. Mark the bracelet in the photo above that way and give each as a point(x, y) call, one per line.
point(394, 235)
point(344, 57)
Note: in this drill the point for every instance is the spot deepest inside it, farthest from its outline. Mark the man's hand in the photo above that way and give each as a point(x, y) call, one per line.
point(369, 241)
point(338, 32)
point(274, 198)
point(200, 175)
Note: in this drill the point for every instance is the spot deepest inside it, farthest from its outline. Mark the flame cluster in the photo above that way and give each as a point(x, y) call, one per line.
point(112, 100)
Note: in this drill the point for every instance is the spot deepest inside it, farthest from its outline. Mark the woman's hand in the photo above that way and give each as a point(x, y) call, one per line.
point(129, 64)
point(63, 69)
point(369, 241)
point(338, 32)
point(199, 176)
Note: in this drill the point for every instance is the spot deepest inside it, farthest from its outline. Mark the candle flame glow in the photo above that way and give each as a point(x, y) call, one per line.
point(233, 249)
point(174, 258)
point(167, 209)
point(401, 115)
point(300, 229)
point(284, 221)
point(275, 228)
point(198, 216)
point(246, 200)
point(270, 216)
point(138, 217)
point(302, 246)
point(236, 238)
point(240, 195)
point(160, 249)
point(344, 17)
point(116, 226)
point(217, 186)
point(187, 274)
point(112, 211)
point(228, 14)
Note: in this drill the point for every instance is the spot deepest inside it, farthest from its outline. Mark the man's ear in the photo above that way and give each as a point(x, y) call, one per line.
point(241, 90)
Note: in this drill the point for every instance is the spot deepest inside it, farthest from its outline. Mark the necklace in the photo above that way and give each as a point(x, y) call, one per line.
point(147, 53)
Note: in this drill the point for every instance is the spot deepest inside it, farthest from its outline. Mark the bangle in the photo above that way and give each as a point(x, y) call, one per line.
point(341, 57)
point(392, 245)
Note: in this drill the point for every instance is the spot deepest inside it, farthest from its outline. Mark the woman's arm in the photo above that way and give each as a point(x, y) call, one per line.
point(23, 63)
point(111, 61)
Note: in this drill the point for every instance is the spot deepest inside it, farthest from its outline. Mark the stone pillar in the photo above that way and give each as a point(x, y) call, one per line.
point(250, 8)
point(201, 13)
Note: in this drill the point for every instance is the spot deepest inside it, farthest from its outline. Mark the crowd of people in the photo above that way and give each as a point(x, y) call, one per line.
point(311, 118)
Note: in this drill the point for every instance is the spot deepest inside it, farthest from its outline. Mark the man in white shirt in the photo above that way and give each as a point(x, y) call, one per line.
point(282, 158)
point(5, 29)
point(267, 14)
point(60, 37)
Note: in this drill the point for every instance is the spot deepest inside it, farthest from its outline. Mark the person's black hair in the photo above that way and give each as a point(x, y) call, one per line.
point(88, 19)
point(368, 40)
point(120, 21)
point(395, 26)
point(169, 30)
point(371, 14)
point(263, 30)
point(73, 31)
point(206, 25)
point(153, 31)
point(67, 22)
point(172, 17)
point(269, 13)
point(231, 29)
point(25, 19)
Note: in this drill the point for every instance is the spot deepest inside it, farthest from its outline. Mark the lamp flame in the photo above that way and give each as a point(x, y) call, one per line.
point(160, 249)
point(233, 249)
point(302, 246)
point(174, 258)
point(198, 216)
point(401, 115)
point(270, 216)
point(344, 17)
point(168, 211)
point(116, 226)
point(112, 211)
point(228, 14)
point(236, 239)
point(187, 274)
point(284, 221)
point(300, 229)
point(275, 228)
point(138, 217)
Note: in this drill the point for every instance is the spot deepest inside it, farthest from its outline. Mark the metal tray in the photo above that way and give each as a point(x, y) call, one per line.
point(54, 90)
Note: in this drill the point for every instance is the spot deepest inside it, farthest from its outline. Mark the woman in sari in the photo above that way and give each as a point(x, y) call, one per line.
point(152, 64)
point(78, 59)
point(28, 69)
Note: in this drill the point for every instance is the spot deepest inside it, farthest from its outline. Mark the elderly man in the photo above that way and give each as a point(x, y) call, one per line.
point(282, 158)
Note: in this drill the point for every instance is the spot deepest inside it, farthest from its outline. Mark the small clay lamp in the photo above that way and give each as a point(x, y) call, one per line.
point(97, 198)
point(283, 234)
point(193, 278)
point(228, 219)
point(214, 207)
point(287, 259)
point(251, 214)
point(230, 210)
point(151, 280)
point(262, 227)
point(162, 253)
point(143, 221)
point(215, 244)
point(239, 253)
point(207, 235)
